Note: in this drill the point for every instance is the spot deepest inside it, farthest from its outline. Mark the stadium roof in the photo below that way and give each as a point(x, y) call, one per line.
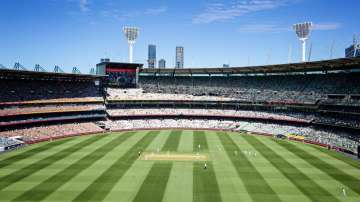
point(22, 74)
point(325, 65)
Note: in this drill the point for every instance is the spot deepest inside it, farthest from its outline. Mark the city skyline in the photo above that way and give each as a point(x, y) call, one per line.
point(247, 32)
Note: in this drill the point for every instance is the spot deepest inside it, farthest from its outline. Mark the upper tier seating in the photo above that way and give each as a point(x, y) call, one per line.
point(34, 90)
point(277, 88)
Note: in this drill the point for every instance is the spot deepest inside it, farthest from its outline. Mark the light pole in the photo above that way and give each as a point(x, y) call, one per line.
point(303, 32)
point(131, 34)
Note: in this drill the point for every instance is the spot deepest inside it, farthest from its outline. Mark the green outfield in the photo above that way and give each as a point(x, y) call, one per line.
point(240, 167)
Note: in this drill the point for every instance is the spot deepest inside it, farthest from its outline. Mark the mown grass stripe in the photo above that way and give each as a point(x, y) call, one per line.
point(50, 185)
point(27, 154)
point(200, 139)
point(337, 174)
point(100, 188)
point(339, 156)
point(172, 143)
point(43, 163)
point(306, 185)
point(154, 186)
point(255, 184)
point(205, 185)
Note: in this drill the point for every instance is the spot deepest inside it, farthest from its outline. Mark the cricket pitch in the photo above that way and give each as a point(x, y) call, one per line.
point(152, 156)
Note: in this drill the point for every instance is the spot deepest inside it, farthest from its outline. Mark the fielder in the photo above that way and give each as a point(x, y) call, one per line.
point(344, 191)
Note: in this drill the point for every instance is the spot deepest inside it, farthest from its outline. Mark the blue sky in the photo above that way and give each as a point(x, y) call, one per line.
point(240, 32)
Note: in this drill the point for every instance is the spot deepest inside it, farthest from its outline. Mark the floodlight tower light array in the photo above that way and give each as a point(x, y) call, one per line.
point(131, 34)
point(303, 32)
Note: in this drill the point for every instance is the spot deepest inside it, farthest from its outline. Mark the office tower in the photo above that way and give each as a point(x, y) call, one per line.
point(179, 57)
point(162, 63)
point(152, 56)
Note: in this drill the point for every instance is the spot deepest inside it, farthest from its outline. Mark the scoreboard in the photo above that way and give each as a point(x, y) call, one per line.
point(122, 75)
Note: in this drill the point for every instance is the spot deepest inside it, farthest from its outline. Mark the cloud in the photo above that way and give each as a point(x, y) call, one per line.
point(327, 26)
point(261, 28)
point(119, 15)
point(216, 12)
point(275, 28)
point(84, 5)
point(156, 11)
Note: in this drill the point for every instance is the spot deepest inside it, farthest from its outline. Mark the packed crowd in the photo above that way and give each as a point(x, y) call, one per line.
point(45, 132)
point(38, 97)
point(16, 110)
point(347, 100)
point(169, 123)
point(29, 90)
point(286, 116)
point(338, 139)
point(139, 94)
point(341, 140)
point(57, 101)
point(339, 121)
point(209, 112)
point(45, 118)
point(283, 88)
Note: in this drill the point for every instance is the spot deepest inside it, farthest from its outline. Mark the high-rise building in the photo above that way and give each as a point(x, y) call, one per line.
point(179, 57)
point(152, 56)
point(162, 63)
point(353, 50)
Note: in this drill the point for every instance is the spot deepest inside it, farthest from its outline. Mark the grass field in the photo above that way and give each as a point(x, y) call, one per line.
point(239, 168)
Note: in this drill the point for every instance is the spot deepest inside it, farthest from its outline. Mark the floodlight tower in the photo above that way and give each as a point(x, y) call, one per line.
point(303, 32)
point(131, 34)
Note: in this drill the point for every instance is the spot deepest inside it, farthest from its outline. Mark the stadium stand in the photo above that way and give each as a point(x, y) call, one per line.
point(316, 107)
point(38, 106)
point(325, 137)
point(12, 111)
point(207, 112)
point(43, 133)
point(38, 97)
point(114, 94)
point(18, 90)
point(276, 88)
